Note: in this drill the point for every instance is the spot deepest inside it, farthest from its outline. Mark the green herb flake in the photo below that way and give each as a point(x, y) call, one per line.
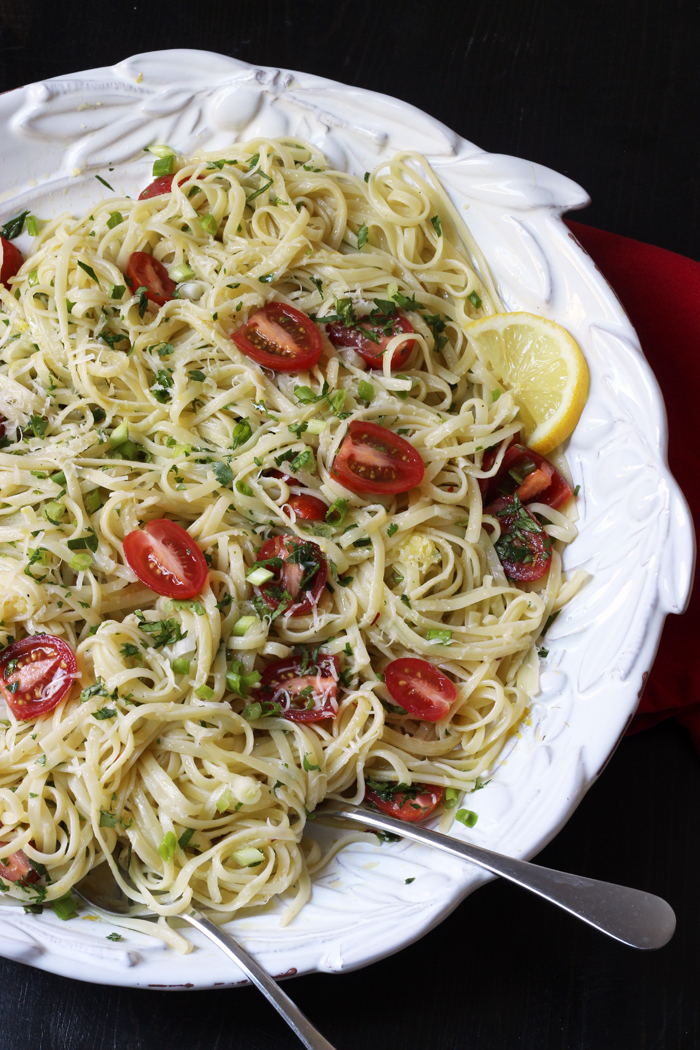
point(13, 227)
point(88, 270)
point(223, 473)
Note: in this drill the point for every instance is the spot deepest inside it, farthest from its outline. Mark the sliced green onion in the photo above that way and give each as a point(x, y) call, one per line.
point(161, 151)
point(59, 478)
point(335, 515)
point(116, 291)
point(115, 219)
point(244, 489)
point(451, 796)
point(475, 300)
point(181, 665)
point(467, 817)
point(168, 846)
point(183, 272)
point(224, 800)
point(93, 501)
point(204, 692)
point(442, 637)
point(259, 575)
point(127, 450)
point(403, 394)
point(119, 436)
point(33, 278)
point(316, 426)
point(32, 225)
point(252, 711)
point(243, 625)
point(165, 165)
point(54, 511)
point(81, 562)
point(249, 857)
point(65, 907)
point(209, 224)
point(365, 391)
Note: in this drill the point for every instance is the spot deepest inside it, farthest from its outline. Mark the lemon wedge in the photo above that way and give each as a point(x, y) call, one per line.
point(542, 366)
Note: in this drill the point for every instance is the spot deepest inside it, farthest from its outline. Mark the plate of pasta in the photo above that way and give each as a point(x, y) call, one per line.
point(330, 467)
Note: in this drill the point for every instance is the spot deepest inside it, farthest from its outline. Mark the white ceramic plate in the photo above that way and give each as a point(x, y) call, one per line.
point(636, 537)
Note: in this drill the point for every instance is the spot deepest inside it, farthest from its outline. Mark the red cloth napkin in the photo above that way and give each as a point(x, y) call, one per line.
point(661, 293)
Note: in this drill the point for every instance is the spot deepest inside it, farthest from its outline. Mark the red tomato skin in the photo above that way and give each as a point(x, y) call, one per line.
point(272, 688)
point(276, 547)
point(340, 335)
point(545, 484)
point(404, 807)
point(162, 185)
point(17, 868)
point(157, 188)
point(146, 272)
point(301, 349)
point(307, 507)
point(403, 467)
point(11, 260)
point(404, 678)
point(57, 672)
point(539, 543)
point(148, 549)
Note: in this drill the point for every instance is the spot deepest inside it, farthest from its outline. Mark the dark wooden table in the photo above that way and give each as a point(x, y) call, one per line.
point(607, 92)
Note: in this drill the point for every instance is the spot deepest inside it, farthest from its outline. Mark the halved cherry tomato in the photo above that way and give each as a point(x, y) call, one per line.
point(420, 688)
point(411, 804)
point(35, 674)
point(11, 260)
point(489, 458)
point(306, 692)
point(530, 476)
point(16, 868)
point(166, 558)
point(280, 337)
point(146, 272)
point(162, 185)
point(293, 562)
point(2, 426)
point(307, 507)
point(374, 459)
point(371, 348)
point(524, 547)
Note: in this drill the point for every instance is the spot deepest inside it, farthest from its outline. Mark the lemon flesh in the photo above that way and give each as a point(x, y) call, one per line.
point(542, 366)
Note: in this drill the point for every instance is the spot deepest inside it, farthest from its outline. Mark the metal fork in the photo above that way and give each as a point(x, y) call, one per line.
point(100, 889)
point(638, 919)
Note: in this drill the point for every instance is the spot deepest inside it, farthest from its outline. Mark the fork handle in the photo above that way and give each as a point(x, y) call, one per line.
point(297, 1021)
point(633, 917)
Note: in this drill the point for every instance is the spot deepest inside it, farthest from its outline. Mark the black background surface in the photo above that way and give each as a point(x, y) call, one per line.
point(608, 93)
